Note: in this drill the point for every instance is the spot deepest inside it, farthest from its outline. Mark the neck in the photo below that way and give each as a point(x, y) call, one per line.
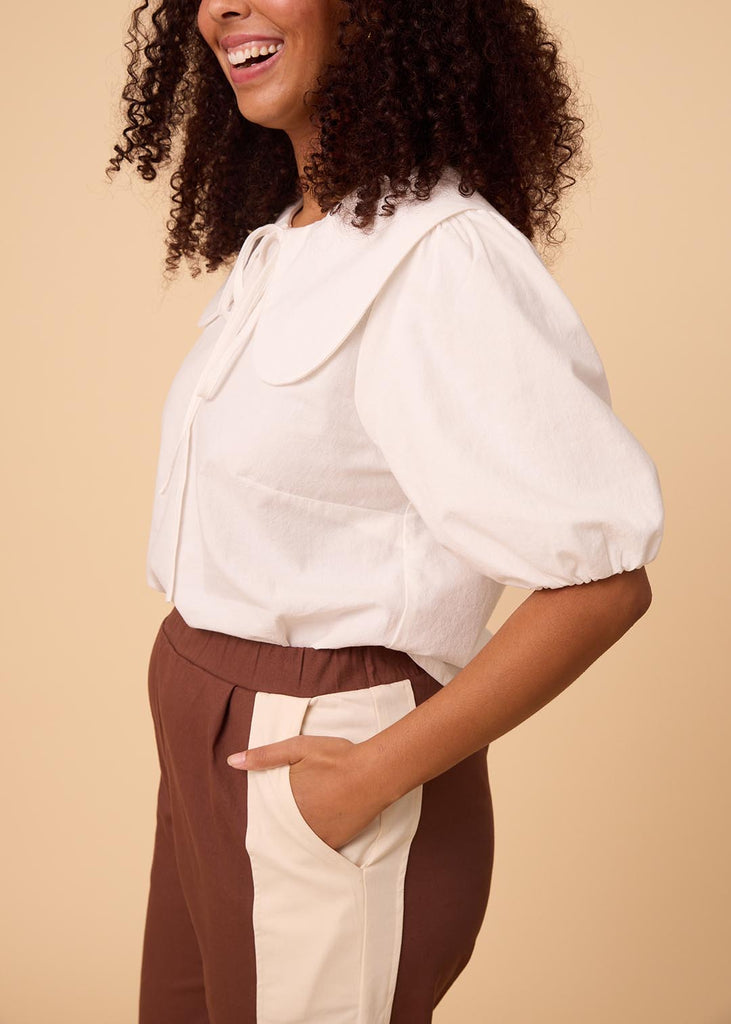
point(303, 146)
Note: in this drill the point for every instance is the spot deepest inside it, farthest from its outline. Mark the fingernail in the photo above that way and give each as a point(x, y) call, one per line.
point(237, 760)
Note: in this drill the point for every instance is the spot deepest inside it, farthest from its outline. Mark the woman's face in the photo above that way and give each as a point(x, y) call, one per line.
point(272, 93)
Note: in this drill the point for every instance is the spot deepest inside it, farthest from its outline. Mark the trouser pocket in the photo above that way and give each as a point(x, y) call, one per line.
point(323, 916)
point(355, 715)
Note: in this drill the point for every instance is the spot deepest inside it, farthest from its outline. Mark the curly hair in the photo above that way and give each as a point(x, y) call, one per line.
point(418, 85)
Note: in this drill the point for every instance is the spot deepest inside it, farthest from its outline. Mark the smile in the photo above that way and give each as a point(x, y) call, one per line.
point(252, 54)
point(251, 62)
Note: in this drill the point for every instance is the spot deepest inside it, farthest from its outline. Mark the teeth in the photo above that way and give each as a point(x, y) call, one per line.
point(252, 50)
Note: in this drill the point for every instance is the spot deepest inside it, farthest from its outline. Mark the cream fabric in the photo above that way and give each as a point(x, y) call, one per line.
point(327, 923)
point(376, 432)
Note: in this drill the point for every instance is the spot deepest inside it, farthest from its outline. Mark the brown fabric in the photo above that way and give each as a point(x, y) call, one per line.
point(198, 958)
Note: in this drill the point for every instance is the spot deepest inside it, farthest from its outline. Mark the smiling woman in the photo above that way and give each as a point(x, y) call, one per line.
point(392, 413)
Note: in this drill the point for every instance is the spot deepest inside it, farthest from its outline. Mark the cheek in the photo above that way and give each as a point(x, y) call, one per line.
point(284, 10)
point(205, 23)
point(294, 16)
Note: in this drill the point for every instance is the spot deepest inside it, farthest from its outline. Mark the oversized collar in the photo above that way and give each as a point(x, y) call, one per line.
point(315, 289)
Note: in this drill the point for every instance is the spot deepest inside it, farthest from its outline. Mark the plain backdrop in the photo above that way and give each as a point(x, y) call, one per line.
point(610, 899)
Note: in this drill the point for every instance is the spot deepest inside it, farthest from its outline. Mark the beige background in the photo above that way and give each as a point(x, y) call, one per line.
point(610, 900)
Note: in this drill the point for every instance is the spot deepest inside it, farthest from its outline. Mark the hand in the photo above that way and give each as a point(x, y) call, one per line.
point(330, 785)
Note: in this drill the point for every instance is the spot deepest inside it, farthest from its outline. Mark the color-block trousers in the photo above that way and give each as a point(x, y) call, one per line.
point(251, 917)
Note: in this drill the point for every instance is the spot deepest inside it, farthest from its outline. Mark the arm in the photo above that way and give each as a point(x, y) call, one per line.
point(547, 643)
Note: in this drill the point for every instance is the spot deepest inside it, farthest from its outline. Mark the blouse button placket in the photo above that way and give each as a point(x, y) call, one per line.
point(240, 304)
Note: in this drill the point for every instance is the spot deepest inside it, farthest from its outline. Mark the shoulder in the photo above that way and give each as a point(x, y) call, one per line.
point(473, 299)
point(453, 228)
point(462, 249)
point(475, 260)
point(461, 233)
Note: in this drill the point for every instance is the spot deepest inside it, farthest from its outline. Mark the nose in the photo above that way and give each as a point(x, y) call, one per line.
point(224, 11)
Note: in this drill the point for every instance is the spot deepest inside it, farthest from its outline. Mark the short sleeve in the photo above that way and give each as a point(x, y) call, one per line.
point(481, 387)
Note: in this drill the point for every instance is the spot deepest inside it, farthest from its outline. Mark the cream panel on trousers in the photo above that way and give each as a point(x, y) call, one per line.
point(327, 923)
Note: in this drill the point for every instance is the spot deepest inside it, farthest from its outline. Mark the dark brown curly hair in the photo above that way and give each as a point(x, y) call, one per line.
point(419, 85)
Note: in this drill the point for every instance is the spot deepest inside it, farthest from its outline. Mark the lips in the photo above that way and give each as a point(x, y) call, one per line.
point(254, 72)
point(240, 38)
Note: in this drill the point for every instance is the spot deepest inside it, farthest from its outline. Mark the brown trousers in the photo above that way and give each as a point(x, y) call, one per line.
point(251, 917)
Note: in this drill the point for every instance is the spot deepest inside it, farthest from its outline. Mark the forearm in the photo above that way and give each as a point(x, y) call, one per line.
point(547, 643)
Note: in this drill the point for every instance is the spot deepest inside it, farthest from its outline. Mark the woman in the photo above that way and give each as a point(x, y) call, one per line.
point(392, 412)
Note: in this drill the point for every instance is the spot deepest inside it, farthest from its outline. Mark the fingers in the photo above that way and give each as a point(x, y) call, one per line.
point(271, 755)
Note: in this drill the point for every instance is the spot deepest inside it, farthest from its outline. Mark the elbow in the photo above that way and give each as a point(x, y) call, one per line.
point(637, 592)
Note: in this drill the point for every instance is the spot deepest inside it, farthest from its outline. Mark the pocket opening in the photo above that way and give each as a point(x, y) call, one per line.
point(355, 715)
point(304, 829)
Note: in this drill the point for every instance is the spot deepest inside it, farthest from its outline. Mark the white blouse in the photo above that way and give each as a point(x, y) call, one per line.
point(376, 432)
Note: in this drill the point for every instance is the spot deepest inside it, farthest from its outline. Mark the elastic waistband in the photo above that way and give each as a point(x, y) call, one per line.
point(274, 668)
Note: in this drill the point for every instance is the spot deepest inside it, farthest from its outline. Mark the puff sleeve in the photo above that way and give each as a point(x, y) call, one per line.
point(488, 400)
